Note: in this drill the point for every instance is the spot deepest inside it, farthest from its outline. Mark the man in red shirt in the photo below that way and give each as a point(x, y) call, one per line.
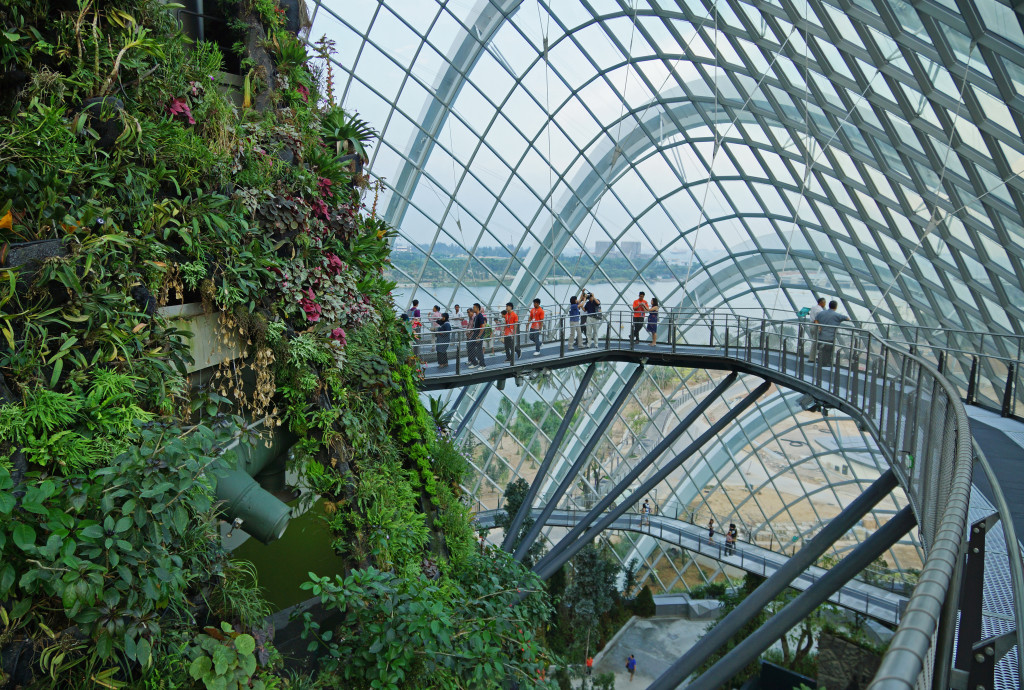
point(640, 309)
point(536, 323)
point(511, 324)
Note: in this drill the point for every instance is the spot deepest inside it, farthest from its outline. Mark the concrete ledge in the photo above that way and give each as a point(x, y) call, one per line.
point(683, 605)
point(207, 344)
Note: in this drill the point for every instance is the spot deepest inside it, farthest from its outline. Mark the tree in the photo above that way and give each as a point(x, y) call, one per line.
point(515, 496)
point(592, 592)
point(629, 577)
point(644, 604)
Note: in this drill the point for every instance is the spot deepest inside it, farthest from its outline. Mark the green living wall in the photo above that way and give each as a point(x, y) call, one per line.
point(137, 175)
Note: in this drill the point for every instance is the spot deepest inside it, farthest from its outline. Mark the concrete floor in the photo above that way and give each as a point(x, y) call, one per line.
point(655, 642)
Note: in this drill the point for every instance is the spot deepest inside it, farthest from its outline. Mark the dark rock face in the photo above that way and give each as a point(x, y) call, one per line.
point(34, 252)
point(843, 665)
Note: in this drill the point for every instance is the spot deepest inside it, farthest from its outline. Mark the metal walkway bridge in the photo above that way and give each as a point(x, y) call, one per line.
point(956, 630)
point(856, 595)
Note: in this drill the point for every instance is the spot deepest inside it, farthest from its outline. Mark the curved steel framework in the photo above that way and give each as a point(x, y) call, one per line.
point(719, 154)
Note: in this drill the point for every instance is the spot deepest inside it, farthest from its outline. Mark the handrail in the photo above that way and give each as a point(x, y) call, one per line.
point(914, 412)
point(1002, 389)
point(636, 520)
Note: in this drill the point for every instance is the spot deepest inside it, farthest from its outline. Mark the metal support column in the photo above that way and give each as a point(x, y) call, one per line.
point(971, 592)
point(556, 561)
point(778, 625)
point(1007, 408)
point(581, 460)
point(972, 381)
point(642, 466)
point(473, 408)
point(556, 444)
point(780, 580)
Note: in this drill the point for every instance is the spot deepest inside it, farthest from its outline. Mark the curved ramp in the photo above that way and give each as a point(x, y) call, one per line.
point(859, 596)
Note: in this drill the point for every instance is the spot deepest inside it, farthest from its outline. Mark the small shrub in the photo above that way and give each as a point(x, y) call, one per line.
point(644, 606)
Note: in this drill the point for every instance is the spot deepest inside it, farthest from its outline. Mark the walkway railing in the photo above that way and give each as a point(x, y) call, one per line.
point(859, 595)
point(912, 410)
point(986, 368)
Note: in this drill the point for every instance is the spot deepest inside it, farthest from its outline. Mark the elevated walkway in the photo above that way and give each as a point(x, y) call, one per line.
point(1001, 438)
point(916, 416)
point(861, 597)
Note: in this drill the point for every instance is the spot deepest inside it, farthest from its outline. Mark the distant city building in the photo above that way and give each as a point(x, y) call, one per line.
point(630, 250)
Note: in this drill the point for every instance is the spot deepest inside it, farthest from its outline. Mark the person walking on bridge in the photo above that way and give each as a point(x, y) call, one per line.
point(640, 309)
point(730, 539)
point(511, 324)
point(536, 324)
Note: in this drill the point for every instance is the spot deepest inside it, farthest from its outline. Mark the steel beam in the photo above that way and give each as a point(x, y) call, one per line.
point(776, 583)
point(556, 444)
point(581, 460)
point(778, 625)
point(971, 598)
point(459, 397)
point(635, 473)
point(557, 560)
point(473, 408)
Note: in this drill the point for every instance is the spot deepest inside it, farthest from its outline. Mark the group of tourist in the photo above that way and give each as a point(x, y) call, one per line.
point(824, 333)
point(643, 311)
point(584, 318)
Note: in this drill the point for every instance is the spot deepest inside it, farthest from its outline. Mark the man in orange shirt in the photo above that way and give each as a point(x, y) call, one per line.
point(511, 324)
point(536, 323)
point(640, 309)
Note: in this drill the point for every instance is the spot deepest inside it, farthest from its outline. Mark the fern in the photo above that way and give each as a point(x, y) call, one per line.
point(47, 410)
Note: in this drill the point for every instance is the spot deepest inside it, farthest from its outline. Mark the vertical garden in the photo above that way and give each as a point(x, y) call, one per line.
point(142, 169)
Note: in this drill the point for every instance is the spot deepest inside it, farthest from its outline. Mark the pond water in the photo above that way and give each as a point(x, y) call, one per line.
point(283, 565)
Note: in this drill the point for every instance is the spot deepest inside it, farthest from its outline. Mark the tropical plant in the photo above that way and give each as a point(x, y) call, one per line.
point(475, 630)
point(349, 133)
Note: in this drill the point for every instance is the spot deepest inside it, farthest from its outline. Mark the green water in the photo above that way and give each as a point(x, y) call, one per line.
point(283, 565)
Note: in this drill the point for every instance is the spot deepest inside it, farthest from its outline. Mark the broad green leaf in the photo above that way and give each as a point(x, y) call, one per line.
point(245, 644)
point(6, 579)
point(200, 667)
point(24, 537)
point(144, 653)
point(104, 645)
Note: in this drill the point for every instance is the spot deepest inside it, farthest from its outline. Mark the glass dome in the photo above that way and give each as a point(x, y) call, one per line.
point(735, 155)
